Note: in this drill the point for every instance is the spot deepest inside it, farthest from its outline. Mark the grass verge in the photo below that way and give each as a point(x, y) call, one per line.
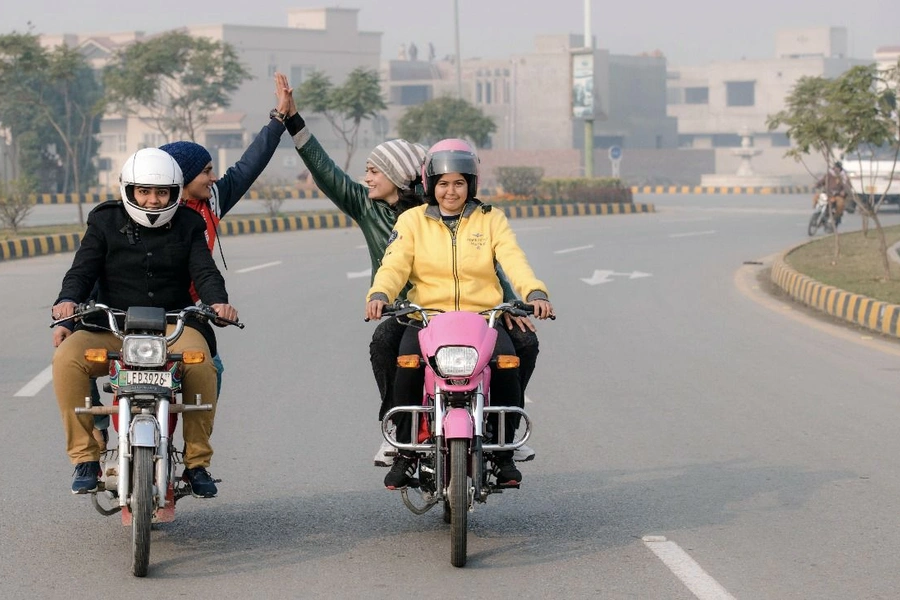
point(859, 267)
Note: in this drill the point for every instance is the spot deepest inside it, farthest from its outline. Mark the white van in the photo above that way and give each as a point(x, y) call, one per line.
point(872, 178)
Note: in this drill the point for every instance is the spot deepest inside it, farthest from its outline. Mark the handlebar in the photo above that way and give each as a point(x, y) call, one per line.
point(203, 311)
point(516, 308)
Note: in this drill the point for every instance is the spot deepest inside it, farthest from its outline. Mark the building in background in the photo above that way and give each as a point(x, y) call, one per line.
point(673, 123)
point(714, 104)
point(323, 39)
point(530, 98)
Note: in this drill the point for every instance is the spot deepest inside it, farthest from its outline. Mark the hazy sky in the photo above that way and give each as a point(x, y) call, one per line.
point(688, 32)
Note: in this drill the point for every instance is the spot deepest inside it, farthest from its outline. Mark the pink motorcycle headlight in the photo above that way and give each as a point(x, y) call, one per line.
point(456, 361)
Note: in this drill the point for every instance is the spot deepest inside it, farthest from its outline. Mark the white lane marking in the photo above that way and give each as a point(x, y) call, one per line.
point(692, 233)
point(37, 384)
point(257, 267)
point(576, 249)
point(358, 274)
point(686, 569)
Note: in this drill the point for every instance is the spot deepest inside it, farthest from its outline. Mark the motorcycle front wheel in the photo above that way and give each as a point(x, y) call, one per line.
point(814, 222)
point(459, 501)
point(141, 509)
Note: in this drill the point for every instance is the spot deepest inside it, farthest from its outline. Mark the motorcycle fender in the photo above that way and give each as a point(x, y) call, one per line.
point(458, 424)
point(144, 433)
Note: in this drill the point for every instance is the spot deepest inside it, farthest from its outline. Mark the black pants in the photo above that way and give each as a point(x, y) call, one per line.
point(385, 347)
point(505, 388)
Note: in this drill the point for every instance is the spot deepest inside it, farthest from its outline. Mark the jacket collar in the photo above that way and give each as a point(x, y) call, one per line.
point(433, 211)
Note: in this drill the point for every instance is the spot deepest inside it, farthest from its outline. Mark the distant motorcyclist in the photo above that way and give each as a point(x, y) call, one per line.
point(836, 185)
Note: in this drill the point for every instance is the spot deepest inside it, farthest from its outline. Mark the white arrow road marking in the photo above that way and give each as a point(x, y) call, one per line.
point(358, 274)
point(527, 400)
point(686, 569)
point(692, 233)
point(567, 250)
point(604, 276)
point(37, 384)
point(257, 267)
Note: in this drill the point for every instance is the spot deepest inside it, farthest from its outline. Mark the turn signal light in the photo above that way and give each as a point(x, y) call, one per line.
point(408, 361)
point(97, 355)
point(504, 361)
point(193, 357)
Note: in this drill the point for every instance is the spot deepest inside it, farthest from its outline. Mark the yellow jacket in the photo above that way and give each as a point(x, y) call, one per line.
point(454, 270)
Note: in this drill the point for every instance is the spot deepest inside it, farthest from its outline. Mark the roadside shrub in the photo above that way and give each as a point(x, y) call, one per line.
point(272, 197)
point(520, 181)
point(15, 202)
point(595, 190)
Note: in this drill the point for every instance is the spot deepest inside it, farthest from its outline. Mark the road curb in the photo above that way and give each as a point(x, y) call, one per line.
point(697, 189)
point(875, 315)
point(51, 244)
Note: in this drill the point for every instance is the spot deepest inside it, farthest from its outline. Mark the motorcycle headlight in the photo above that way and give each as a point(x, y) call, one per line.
point(144, 350)
point(456, 361)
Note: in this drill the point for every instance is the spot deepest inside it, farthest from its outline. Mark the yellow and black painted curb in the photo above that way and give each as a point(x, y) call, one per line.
point(50, 244)
point(697, 189)
point(872, 314)
point(295, 194)
point(274, 193)
point(39, 246)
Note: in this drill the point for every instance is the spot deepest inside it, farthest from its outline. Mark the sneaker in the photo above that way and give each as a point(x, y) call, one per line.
point(385, 455)
point(505, 468)
point(200, 482)
point(401, 472)
point(84, 480)
point(523, 454)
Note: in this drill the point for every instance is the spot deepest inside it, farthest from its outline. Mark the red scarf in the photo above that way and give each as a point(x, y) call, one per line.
point(212, 222)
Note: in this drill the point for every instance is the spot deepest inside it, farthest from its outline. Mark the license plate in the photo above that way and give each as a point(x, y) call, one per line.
point(162, 378)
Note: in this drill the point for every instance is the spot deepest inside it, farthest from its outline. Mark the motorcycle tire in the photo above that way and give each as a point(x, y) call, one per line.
point(814, 222)
point(141, 509)
point(459, 501)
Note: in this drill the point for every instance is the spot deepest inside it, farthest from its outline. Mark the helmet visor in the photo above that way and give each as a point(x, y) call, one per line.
point(448, 161)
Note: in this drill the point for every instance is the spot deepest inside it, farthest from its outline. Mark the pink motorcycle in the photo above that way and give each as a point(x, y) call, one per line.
point(450, 430)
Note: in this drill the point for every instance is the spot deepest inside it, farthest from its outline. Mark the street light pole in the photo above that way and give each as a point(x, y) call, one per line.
point(458, 57)
point(589, 120)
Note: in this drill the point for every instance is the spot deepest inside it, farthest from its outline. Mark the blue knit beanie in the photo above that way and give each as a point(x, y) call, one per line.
point(191, 157)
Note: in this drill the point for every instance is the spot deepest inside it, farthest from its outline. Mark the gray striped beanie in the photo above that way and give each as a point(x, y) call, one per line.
point(399, 160)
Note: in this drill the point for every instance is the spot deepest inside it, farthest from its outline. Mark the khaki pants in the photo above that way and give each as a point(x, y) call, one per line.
point(71, 382)
point(837, 203)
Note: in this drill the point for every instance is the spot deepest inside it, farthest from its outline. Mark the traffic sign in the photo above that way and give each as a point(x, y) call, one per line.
point(615, 152)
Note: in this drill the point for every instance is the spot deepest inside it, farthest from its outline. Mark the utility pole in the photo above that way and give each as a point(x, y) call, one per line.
point(589, 119)
point(458, 57)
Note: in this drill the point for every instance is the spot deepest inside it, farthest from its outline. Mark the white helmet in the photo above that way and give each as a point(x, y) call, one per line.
point(151, 167)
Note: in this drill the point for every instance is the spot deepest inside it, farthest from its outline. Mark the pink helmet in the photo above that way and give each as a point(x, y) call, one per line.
point(452, 155)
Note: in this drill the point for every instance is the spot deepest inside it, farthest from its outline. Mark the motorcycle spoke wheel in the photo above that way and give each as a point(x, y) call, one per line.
point(141, 509)
point(814, 222)
point(459, 501)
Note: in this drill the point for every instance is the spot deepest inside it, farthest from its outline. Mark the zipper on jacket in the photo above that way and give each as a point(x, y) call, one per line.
point(455, 272)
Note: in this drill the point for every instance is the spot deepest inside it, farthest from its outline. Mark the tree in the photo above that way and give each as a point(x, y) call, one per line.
point(174, 82)
point(51, 103)
point(345, 107)
point(15, 202)
point(446, 117)
point(858, 110)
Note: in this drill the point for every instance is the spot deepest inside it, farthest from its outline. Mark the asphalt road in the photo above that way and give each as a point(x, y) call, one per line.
point(757, 448)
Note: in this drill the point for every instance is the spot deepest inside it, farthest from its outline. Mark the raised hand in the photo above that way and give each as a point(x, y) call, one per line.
point(285, 95)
